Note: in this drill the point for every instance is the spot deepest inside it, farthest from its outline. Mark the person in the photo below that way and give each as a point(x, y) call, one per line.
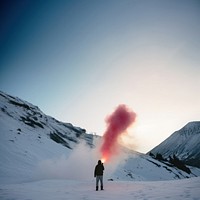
point(98, 173)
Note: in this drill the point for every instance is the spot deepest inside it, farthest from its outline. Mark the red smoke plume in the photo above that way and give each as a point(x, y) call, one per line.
point(117, 124)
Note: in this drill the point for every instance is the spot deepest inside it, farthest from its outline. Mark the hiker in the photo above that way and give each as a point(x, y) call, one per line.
point(98, 173)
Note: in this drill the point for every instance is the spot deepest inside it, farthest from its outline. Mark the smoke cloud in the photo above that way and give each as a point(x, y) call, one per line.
point(78, 164)
point(117, 124)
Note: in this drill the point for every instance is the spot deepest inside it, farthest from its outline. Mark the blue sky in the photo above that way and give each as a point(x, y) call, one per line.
point(78, 60)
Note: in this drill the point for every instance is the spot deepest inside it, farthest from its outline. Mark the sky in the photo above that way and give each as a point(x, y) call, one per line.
point(78, 60)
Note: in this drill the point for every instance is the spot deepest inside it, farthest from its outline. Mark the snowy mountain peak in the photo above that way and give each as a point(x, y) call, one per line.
point(190, 128)
point(183, 143)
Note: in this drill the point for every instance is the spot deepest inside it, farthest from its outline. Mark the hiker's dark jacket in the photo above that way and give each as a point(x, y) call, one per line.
point(98, 170)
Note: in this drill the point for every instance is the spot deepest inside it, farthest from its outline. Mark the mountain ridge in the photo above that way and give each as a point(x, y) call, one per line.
point(31, 139)
point(183, 143)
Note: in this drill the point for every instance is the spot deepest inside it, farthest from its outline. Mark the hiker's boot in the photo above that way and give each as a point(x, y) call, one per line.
point(97, 188)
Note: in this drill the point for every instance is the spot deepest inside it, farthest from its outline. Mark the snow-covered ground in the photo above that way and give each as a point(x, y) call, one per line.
point(28, 153)
point(116, 190)
point(34, 167)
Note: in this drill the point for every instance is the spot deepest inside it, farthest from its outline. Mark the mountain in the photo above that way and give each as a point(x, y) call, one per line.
point(34, 146)
point(31, 117)
point(184, 144)
point(28, 136)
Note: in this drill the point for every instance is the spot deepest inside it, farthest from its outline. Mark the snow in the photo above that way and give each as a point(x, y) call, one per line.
point(33, 166)
point(114, 190)
point(183, 143)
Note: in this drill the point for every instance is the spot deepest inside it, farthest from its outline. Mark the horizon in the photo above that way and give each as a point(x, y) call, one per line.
point(77, 61)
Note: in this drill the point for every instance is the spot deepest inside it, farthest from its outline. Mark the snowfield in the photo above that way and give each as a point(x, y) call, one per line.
point(114, 190)
point(42, 158)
